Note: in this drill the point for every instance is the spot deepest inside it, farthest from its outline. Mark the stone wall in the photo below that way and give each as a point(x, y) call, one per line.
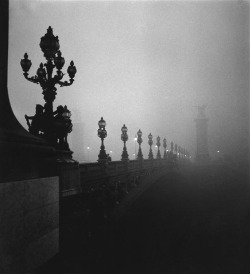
point(29, 223)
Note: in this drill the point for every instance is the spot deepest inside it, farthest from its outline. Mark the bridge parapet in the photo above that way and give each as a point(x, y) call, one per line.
point(105, 185)
point(85, 177)
point(93, 176)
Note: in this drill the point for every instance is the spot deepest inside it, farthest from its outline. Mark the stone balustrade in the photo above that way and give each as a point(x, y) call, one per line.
point(93, 175)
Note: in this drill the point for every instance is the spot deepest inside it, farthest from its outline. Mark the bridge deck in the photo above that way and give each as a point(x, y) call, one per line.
point(192, 222)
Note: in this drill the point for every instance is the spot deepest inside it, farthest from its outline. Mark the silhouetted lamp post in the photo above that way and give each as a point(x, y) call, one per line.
point(150, 142)
point(102, 133)
point(179, 152)
point(165, 148)
point(124, 138)
point(44, 76)
point(139, 141)
point(158, 146)
point(176, 149)
point(88, 148)
point(172, 148)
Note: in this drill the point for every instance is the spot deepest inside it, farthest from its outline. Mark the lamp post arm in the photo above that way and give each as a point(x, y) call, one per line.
point(58, 77)
point(33, 79)
point(65, 83)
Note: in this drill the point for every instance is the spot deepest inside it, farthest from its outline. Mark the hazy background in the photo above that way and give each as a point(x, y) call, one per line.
point(145, 64)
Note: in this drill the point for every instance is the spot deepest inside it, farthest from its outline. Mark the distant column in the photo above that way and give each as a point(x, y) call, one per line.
point(202, 155)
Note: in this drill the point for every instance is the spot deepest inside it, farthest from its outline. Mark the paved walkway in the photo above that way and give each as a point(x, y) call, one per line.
point(197, 222)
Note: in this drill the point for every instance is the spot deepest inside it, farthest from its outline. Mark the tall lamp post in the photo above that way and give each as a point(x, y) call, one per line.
point(44, 76)
point(172, 149)
point(139, 141)
point(135, 139)
point(158, 146)
point(102, 133)
point(176, 149)
point(165, 148)
point(88, 148)
point(150, 142)
point(179, 152)
point(124, 138)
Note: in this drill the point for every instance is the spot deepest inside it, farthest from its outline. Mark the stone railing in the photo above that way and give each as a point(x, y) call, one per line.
point(102, 187)
point(94, 174)
point(85, 177)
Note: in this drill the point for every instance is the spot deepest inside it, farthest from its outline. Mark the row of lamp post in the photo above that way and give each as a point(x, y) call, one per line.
point(102, 134)
point(54, 126)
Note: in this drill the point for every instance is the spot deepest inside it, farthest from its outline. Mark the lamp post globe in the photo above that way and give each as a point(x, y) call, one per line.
point(25, 63)
point(49, 44)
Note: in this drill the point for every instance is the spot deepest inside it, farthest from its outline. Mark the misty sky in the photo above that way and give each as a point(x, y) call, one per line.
point(145, 64)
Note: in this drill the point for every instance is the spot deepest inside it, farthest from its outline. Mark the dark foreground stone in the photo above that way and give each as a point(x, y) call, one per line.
point(197, 221)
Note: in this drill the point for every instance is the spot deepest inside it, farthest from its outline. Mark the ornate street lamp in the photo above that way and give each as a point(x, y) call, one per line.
point(179, 152)
point(176, 149)
point(158, 145)
point(172, 148)
point(139, 141)
point(124, 138)
point(165, 148)
point(44, 76)
point(102, 133)
point(150, 142)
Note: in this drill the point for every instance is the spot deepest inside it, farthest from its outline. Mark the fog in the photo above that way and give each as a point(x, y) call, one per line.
point(143, 64)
